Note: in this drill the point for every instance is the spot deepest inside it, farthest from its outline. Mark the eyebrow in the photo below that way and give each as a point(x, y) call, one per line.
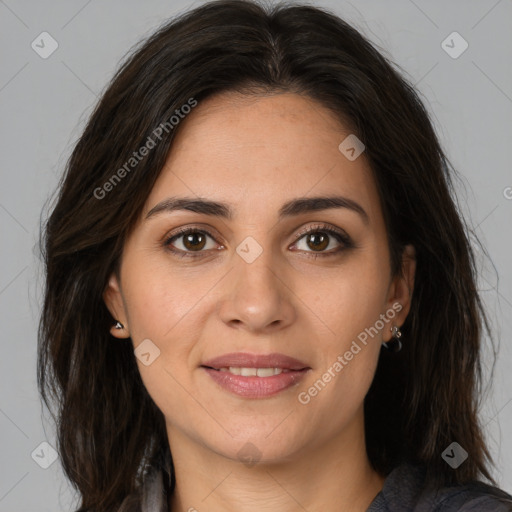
point(291, 208)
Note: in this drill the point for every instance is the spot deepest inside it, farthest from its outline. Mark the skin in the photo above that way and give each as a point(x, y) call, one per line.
point(256, 153)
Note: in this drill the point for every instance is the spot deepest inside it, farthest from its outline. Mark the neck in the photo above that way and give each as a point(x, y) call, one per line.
point(334, 475)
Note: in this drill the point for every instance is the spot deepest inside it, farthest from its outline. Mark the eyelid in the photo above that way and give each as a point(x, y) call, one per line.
point(208, 230)
point(321, 226)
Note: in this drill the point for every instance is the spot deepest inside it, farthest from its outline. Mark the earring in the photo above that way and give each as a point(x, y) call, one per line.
point(396, 345)
point(119, 325)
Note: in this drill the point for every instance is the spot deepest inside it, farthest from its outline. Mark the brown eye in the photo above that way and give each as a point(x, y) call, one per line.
point(189, 240)
point(317, 239)
point(194, 241)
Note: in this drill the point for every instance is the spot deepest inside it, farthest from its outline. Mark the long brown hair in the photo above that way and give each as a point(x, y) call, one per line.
point(422, 398)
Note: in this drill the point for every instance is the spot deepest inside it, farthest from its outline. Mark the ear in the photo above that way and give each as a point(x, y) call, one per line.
point(113, 299)
point(401, 288)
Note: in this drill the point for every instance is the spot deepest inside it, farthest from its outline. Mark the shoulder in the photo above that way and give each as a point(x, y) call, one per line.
point(404, 491)
point(151, 497)
point(471, 497)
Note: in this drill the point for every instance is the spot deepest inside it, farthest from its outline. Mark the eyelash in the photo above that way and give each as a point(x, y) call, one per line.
point(340, 236)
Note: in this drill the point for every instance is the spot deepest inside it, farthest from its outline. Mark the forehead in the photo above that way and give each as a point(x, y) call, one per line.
point(257, 152)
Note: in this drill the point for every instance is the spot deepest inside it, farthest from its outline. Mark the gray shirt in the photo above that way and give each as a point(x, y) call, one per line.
point(403, 491)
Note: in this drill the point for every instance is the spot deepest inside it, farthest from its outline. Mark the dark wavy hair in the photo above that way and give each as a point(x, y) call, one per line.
point(422, 398)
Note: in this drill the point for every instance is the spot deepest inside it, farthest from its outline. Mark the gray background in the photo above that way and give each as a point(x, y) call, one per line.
point(43, 107)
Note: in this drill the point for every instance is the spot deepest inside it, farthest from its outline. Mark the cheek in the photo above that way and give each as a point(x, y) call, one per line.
point(351, 305)
point(161, 308)
point(168, 307)
point(161, 300)
point(347, 365)
point(350, 300)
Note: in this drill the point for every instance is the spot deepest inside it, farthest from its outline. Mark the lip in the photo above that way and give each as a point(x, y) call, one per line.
point(255, 387)
point(245, 360)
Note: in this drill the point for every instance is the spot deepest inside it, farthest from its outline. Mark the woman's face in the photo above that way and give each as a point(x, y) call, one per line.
point(248, 280)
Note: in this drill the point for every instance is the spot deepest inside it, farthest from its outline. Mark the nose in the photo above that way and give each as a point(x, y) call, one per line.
point(258, 296)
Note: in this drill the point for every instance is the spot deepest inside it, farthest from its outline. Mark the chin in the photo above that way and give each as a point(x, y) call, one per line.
point(258, 447)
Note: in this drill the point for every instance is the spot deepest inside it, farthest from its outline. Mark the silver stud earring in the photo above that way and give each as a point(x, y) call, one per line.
point(119, 325)
point(396, 344)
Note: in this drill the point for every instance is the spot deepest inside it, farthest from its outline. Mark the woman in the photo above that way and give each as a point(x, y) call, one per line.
point(260, 294)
